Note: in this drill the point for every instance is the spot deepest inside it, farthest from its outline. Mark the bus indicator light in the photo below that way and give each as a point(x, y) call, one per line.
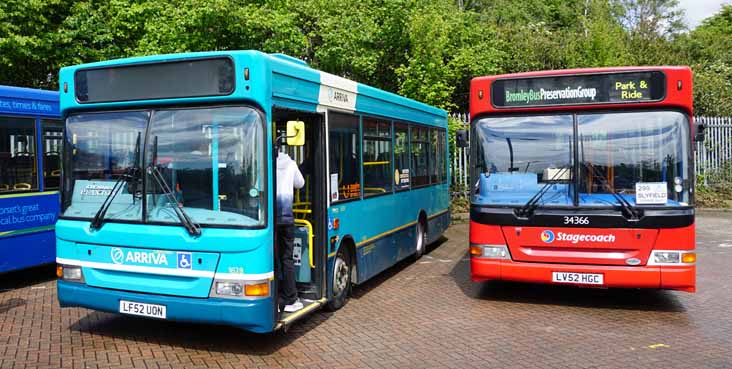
point(259, 289)
point(59, 271)
point(688, 257)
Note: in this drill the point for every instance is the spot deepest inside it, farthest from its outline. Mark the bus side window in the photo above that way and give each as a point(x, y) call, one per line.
point(52, 147)
point(377, 170)
point(344, 147)
point(401, 156)
point(18, 171)
point(420, 146)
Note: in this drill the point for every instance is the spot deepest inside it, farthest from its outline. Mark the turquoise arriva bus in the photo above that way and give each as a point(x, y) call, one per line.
point(168, 185)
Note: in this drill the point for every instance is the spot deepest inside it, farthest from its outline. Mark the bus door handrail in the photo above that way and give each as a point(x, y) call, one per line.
point(309, 226)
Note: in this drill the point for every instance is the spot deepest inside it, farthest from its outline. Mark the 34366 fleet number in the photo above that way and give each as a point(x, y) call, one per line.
point(577, 220)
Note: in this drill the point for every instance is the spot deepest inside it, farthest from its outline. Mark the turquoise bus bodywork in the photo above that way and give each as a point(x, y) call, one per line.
point(378, 229)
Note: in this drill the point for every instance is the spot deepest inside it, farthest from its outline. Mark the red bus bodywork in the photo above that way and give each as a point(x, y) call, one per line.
point(531, 260)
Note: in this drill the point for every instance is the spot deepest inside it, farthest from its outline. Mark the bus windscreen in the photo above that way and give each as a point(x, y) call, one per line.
point(166, 80)
point(583, 89)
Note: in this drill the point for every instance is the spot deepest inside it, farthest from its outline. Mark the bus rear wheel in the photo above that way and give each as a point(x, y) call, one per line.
point(420, 240)
point(341, 280)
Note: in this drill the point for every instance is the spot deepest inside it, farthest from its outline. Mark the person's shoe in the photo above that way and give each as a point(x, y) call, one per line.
point(295, 306)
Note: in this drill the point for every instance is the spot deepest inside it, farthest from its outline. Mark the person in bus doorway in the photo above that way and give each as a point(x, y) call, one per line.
point(288, 178)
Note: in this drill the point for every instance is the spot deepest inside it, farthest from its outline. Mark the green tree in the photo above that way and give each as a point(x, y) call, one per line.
point(447, 47)
point(29, 41)
point(707, 50)
point(652, 26)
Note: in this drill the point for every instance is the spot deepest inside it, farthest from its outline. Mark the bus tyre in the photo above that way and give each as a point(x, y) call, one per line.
point(420, 240)
point(341, 280)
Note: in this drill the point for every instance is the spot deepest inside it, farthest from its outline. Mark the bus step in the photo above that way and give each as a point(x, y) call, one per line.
point(310, 306)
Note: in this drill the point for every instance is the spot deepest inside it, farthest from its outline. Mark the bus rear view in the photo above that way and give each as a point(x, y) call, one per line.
point(584, 177)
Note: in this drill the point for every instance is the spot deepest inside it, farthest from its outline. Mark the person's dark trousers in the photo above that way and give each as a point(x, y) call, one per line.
point(285, 242)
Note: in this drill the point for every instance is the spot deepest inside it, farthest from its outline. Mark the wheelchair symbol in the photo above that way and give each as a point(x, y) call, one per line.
point(184, 260)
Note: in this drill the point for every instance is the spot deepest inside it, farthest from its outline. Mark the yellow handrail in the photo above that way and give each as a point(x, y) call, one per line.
point(366, 163)
point(309, 226)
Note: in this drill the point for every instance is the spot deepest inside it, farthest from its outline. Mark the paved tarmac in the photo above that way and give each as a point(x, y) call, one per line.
point(424, 314)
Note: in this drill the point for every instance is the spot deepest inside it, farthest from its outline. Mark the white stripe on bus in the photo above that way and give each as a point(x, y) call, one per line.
point(165, 271)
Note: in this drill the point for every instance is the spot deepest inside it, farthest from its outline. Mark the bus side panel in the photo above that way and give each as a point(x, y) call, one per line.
point(383, 226)
point(437, 225)
point(376, 257)
point(26, 230)
point(27, 250)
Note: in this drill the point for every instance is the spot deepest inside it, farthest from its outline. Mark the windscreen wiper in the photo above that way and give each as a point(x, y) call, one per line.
point(131, 175)
point(628, 210)
point(193, 228)
point(527, 210)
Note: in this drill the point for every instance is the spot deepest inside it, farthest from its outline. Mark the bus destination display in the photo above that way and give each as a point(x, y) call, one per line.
point(163, 80)
point(579, 89)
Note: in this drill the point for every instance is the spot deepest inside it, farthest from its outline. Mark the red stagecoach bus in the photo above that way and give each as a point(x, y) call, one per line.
point(584, 177)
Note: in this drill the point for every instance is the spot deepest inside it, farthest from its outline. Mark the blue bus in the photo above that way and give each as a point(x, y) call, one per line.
point(168, 187)
point(30, 173)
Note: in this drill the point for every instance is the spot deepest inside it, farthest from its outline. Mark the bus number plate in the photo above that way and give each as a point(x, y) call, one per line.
point(577, 278)
point(142, 309)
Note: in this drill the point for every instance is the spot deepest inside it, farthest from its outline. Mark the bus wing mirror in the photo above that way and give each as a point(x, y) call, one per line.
point(700, 127)
point(295, 133)
point(461, 138)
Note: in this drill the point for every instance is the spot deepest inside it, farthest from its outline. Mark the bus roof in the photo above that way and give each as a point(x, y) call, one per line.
point(28, 101)
point(672, 88)
point(260, 78)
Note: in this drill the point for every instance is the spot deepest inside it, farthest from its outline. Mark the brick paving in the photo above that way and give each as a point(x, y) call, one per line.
point(416, 315)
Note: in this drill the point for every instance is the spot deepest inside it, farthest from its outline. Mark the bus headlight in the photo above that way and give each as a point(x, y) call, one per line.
point(228, 288)
point(672, 257)
point(71, 273)
point(490, 251)
point(240, 289)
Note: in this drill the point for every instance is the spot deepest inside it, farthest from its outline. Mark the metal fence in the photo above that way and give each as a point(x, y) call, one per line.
point(713, 156)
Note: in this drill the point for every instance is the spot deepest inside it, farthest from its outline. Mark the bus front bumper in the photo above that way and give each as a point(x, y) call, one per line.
point(682, 278)
point(252, 315)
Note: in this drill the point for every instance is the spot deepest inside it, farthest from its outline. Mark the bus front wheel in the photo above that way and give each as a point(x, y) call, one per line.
point(341, 280)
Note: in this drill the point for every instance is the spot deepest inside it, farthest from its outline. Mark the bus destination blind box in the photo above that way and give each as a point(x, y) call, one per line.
point(590, 89)
point(163, 80)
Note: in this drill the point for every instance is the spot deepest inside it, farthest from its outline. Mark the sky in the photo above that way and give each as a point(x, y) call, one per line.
point(697, 10)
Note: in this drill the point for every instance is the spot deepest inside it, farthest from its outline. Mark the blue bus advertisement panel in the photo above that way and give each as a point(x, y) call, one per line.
point(170, 203)
point(30, 172)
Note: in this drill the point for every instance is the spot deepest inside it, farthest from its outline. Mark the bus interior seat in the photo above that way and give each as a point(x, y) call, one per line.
point(52, 164)
point(24, 170)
